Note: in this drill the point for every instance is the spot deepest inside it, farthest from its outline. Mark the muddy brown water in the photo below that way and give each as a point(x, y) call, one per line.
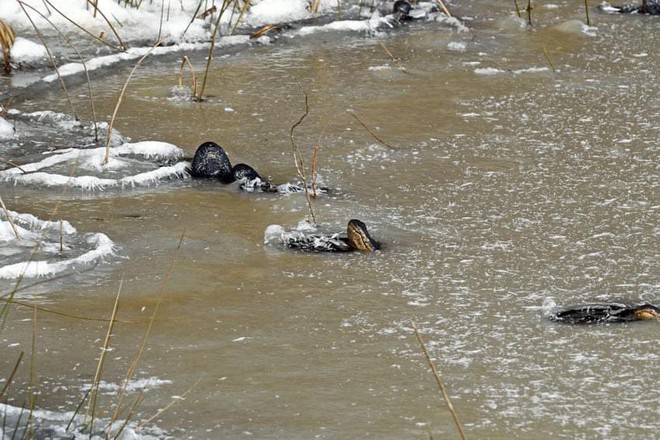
point(504, 190)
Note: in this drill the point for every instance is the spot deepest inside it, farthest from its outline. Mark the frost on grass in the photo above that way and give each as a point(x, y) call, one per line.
point(31, 247)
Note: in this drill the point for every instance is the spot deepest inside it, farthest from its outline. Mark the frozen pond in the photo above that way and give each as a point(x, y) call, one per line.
point(506, 187)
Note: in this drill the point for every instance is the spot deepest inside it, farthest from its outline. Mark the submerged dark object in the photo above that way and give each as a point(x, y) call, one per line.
point(211, 162)
point(357, 239)
point(606, 312)
point(401, 9)
point(651, 7)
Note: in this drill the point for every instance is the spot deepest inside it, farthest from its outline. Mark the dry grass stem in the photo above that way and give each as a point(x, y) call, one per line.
point(145, 338)
point(82, 61)
point(99, 39)
point(374, 135)
point(50, 56)
point(547, 57)
point(15, 165)
point(241, 14)
point(209, 58)
point(119, 100)
point(10, 379)
point(7, 38)
point(193, 84)
point(586, 11)
point(169, 405)
point(444, 8)
point(122, 46)
point(91, 404)
point(394, 59)
point(297, 157)
point(9, 219)
point(438, 380)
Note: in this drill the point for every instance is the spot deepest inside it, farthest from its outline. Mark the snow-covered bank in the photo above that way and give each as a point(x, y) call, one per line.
point(118, 33)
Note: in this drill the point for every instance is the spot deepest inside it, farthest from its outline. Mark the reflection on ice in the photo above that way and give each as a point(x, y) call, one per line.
point(31, 247)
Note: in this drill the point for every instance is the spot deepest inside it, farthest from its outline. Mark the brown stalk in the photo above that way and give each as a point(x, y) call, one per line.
point(10, 379)
point(297, 157)
point(586, 11)
point(57, 312)
point(91, 404)
point(50, 56)
point(375, 136)
point(9, 162)
point(169, 405)
point(121, 97)
point(7, 38)
point(112, 28)
point(438, 380)
point(394, 59)
point(101, 40)
point(9, 219)
point(89, 81)
point(444, 8)
point(184, 62)
point(145, 338)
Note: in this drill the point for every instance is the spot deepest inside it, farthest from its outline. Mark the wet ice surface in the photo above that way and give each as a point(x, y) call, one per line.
point(543, 189)
point(31, 247)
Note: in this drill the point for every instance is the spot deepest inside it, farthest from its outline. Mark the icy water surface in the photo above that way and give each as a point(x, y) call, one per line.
point(506, 188)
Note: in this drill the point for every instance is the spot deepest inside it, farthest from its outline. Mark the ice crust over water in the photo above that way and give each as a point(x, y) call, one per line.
point(93, 160)
point(31, 247)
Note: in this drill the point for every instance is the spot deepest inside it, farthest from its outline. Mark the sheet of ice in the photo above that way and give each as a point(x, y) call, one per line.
point(37, 244)
point(156, 154)
point(22, 423)
point(6, 129)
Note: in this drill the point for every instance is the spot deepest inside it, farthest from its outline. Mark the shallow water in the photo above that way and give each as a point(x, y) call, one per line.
point(503, 189)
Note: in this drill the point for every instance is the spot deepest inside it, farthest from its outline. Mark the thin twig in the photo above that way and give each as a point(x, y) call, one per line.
point(225, 4)
point(9, 219)
point(586, 11)
point(10, 379)
point(394, 59)
point(57, 312)
point(91, 404)
point(50, 56)
point(13, 164)
point(112, 28)
point(82, 61)
point(375, 136)
point(101, 40)
point(438, 380)
point(547, 57)
point(297, 157)
point(119, 100)
point(444, 8)
point(529, 12)
point(145, 338)
point(169, 405)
